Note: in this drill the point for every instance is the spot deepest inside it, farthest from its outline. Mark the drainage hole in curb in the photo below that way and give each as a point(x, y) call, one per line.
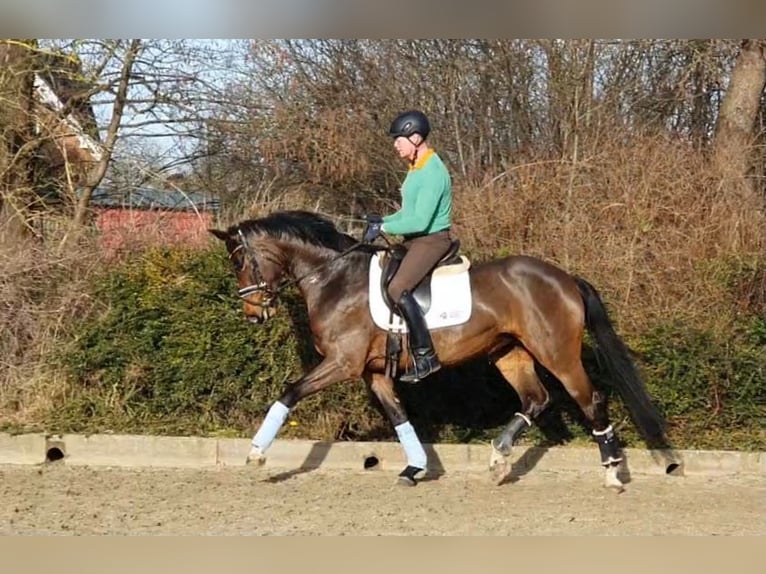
point(53, 454)
point(371, 462)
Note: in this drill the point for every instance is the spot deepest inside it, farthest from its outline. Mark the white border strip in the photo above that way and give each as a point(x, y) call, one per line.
point(200, 452)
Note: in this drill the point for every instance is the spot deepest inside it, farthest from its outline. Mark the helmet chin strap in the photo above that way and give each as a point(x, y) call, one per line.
point(414, 157)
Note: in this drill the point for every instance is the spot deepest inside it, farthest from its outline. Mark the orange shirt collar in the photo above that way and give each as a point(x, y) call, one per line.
point(420, 162)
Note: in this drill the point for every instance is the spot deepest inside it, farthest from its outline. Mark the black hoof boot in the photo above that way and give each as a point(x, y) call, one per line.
point(407, 476)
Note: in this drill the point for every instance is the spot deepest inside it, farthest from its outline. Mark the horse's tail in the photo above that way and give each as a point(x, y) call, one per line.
point(611, 351)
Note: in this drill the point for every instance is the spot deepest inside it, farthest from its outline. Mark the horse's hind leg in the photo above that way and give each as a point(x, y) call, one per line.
point(518, 367)
point(575, 380)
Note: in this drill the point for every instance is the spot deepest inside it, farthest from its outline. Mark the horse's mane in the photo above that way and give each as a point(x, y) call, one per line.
point(304, 226)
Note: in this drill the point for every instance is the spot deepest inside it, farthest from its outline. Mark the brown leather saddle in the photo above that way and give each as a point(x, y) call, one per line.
point(422, 293)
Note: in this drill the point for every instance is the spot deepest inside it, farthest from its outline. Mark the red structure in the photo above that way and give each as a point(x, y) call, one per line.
point(147, 216)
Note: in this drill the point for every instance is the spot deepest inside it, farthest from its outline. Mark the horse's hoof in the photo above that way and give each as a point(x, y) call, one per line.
point(499, 466)
point(255, 461)
point(617, 489)
point(406, 481)
point(408, 476)
point(500, 472)
point(255, 457)
point(611, 481)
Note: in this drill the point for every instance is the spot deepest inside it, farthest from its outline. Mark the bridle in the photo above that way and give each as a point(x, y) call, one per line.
point(261, 286)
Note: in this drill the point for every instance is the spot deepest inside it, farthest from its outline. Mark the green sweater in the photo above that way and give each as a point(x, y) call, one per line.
point(426, 199)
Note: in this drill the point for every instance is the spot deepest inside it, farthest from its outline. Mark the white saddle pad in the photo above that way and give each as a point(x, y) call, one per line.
point(450, 297)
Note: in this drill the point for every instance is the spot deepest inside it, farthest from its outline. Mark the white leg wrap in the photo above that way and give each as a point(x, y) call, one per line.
point(270, 426)
point(413, 449)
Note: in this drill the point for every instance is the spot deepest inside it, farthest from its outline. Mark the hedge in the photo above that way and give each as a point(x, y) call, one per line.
point(167, 350)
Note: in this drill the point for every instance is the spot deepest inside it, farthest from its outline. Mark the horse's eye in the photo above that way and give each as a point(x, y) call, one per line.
point(237, 261)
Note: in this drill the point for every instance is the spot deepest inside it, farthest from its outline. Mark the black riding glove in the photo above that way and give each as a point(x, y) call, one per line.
point(373, 231)
point(374, 227)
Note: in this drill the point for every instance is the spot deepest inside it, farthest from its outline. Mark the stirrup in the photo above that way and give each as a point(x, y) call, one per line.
point(414, 374)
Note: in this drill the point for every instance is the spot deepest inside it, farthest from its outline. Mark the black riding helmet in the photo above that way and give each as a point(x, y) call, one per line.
point(409, 123)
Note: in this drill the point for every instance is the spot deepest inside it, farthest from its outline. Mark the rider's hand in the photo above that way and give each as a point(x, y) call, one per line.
point(373, 231)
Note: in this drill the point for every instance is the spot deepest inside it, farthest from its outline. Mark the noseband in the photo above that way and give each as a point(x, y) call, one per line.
point(262, 287)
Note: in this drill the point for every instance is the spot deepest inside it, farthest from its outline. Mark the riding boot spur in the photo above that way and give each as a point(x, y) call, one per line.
point(424, 359)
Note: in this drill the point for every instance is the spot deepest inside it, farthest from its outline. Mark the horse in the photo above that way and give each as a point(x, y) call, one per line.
point(523, 312)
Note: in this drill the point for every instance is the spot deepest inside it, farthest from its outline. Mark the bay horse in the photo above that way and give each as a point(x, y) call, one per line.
point(523, 311)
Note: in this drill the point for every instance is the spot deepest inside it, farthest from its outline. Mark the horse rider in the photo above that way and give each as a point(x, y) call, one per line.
point(424, 222)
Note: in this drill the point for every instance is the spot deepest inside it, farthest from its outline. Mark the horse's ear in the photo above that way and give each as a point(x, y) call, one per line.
point(222, 235)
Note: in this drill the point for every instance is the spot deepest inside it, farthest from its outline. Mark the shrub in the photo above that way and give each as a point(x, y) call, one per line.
point(712, 388)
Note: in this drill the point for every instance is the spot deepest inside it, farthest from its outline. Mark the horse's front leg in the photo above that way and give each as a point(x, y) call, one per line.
point(329, 371)
point(383, 388)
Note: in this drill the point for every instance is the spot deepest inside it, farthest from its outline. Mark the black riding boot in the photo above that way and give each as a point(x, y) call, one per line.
point(424, 359)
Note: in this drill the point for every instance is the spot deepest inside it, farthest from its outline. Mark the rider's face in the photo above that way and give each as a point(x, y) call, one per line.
point(405, 147)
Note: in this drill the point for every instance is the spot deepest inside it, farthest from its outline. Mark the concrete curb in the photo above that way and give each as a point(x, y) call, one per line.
point(199, 452)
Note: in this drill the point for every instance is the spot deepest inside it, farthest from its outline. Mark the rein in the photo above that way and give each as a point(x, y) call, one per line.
point(318, 267)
